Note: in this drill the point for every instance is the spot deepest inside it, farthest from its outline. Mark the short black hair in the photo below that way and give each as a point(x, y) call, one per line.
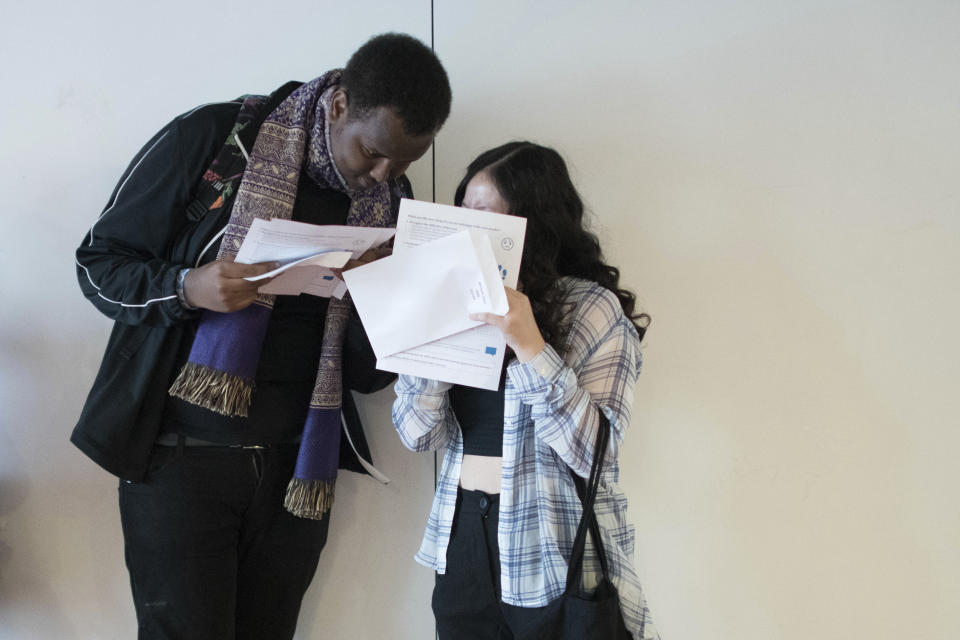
point(398, 71)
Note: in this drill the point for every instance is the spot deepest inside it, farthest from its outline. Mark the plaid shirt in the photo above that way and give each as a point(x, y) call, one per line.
point(550, 427)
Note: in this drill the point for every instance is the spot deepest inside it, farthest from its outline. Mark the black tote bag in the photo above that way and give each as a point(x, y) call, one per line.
point(578, 615)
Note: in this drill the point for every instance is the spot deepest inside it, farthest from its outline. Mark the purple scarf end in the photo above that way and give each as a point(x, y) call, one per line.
point(217, 338)
point(310, 492)
point(319, 454)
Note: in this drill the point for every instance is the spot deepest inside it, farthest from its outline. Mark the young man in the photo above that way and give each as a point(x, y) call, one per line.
point(218, 408)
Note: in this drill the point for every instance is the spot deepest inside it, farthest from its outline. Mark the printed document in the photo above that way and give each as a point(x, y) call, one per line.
point(306, 253)
point(473, 357)
point(428, 292)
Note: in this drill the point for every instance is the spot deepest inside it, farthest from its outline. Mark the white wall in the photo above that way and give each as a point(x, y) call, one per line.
point(777, 181)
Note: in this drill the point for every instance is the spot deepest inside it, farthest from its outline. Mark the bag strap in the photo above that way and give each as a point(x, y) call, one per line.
point(219, 182)
point(588, 519)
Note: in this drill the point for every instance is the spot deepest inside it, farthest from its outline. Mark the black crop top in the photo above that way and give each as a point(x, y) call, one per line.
point(480, 414)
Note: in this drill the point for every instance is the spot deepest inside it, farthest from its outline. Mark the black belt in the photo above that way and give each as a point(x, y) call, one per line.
point(169, 439)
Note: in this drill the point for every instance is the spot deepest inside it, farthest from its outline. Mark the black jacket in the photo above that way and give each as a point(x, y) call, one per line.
point(127, 266)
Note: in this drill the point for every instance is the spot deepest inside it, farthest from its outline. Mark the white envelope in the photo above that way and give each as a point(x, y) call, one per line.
point(473, 357)
point(426, 293)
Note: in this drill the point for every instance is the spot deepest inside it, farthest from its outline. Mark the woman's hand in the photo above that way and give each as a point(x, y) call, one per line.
point(518, 326)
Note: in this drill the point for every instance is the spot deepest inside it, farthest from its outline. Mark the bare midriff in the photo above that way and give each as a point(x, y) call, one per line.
point(481, 473)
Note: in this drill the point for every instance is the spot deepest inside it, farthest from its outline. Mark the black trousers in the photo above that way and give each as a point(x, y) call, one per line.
point(211, 551)
point(466, 599)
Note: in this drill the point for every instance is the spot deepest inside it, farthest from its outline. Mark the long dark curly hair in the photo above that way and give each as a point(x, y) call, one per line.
point(535, 183)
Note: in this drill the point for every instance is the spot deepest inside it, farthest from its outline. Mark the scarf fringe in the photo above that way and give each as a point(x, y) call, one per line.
point(309, 498)
point(219, 391)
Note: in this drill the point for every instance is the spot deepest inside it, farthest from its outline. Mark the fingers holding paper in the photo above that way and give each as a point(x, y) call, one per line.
point(220, 285)
point(518, 326)
point(368, 256)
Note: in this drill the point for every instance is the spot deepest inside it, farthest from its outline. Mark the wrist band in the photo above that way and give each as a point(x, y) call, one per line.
point(181, 296)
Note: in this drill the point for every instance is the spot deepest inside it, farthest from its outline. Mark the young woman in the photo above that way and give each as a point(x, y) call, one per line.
point(506, 508)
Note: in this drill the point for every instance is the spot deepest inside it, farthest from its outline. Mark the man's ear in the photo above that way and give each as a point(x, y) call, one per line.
point(338, 106)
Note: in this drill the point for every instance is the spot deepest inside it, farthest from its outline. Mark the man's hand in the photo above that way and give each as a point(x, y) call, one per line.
point(519, 326)
point(368, 256)
point(220, 285)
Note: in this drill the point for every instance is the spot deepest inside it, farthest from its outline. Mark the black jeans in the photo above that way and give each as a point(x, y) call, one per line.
point(466, 599)
point(211, 551)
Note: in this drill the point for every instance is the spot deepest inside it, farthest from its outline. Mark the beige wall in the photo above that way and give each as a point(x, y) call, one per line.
point(778, 183)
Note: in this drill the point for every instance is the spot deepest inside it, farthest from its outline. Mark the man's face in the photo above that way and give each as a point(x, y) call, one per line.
point(370, 150)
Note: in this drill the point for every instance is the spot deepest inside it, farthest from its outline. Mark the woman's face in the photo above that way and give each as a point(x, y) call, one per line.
point(482, 194)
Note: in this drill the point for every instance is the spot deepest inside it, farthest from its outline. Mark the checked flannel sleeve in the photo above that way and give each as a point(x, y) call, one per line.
point(601, 368)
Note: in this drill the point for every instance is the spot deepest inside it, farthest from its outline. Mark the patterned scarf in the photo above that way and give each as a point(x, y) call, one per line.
point(219, 374)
